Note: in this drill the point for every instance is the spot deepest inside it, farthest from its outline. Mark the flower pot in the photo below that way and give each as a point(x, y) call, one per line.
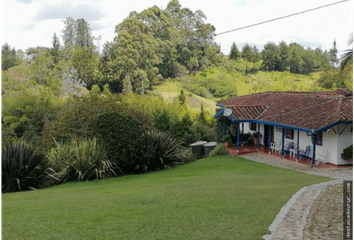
point(226, 144)
point(255, 141)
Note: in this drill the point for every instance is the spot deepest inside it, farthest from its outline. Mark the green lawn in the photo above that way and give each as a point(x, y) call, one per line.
point(214, 198)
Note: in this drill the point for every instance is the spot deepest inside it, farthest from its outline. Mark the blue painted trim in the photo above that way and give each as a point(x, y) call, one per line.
point(232, 119)
point(332, 125)
point(298, 146)
point(238, 137)
point(282, 143)
point(313, 151)
point(258, 132)
point(219, 113)
point(284, 126)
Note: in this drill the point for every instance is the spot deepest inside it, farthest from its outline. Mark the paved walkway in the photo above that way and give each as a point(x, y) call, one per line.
point(314, 212)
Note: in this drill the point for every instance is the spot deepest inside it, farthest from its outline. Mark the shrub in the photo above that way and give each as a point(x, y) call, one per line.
point(24, 167)
point(188, 156)
point(76, 160)
point(124, 138)
point(220, 149)
point(77, 117)
point(166, 151)
point(347, 153)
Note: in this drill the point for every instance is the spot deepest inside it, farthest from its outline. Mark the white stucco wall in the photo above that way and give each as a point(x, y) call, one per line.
point(329, 143)
point(332, 143)
point(344, 140)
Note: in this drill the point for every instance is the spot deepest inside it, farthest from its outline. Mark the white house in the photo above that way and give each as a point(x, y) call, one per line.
point(321, 122)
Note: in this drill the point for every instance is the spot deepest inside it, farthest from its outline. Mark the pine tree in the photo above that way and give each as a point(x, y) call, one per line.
point(234, 53)
point(202, 119)
point(332, 54)
point(182, 98)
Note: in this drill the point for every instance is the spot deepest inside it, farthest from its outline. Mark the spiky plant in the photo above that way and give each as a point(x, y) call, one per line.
point(77, 160)
point(346, 59)
point(24, 167)
point(166, 151)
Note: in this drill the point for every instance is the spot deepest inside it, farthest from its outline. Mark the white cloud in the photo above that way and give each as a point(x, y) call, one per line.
point(67, 9)
point(22, 28)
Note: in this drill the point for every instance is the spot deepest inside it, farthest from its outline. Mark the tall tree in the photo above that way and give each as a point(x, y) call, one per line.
point(77, 32)
point(271, 57)
point(247, 52)
point(296, 62)
point(69, 31)
point(255, 56)
point(85, 61)
point(83, 33)
point(234, 52)
point(182, 97)
point(8, 57)
point(284, 56)
point(55, 49)
point(332, 54)
point(136, 51)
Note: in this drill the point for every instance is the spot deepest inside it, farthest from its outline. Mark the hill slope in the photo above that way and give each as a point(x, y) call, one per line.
point(217, 83)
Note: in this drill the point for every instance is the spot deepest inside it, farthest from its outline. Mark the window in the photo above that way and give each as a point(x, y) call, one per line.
point(319, 138)
point(289, 133)
point(253, 126)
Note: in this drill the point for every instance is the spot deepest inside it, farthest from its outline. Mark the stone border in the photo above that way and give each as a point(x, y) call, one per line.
point(291, 220)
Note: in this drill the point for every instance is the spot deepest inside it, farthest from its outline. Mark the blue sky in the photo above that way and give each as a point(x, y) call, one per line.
point(31, 23)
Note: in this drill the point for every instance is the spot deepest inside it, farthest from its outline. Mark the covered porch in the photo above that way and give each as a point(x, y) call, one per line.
point(251, 148)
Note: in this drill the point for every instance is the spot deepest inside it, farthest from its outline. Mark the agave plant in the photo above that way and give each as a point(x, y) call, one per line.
point(166, 151)
point(24, 167)
point(76, 160)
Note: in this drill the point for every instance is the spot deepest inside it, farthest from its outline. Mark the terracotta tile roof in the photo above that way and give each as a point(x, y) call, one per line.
point(310, 110)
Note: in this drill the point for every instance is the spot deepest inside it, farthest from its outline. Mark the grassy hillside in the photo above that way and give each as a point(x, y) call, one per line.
point(213, 198)
point(171, 89)
point(217, 83)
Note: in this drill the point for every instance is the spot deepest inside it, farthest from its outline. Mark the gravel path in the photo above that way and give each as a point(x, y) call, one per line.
point(314, 212)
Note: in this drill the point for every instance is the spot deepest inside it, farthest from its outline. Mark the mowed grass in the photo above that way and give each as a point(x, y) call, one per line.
point(214, 198)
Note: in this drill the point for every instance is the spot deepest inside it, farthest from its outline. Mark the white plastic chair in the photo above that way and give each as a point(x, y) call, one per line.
point(322, 157)
point(276, 147)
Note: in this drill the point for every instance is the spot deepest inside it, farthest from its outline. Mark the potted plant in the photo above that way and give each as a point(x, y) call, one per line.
point(255, 137)
point(227, 140)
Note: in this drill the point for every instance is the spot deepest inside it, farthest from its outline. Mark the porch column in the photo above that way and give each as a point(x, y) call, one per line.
point(298, 146)
point(242, 135)
point(238, 137)
point(269, 140)
point(258, 136)
point(313, 151)
point(282, 143)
